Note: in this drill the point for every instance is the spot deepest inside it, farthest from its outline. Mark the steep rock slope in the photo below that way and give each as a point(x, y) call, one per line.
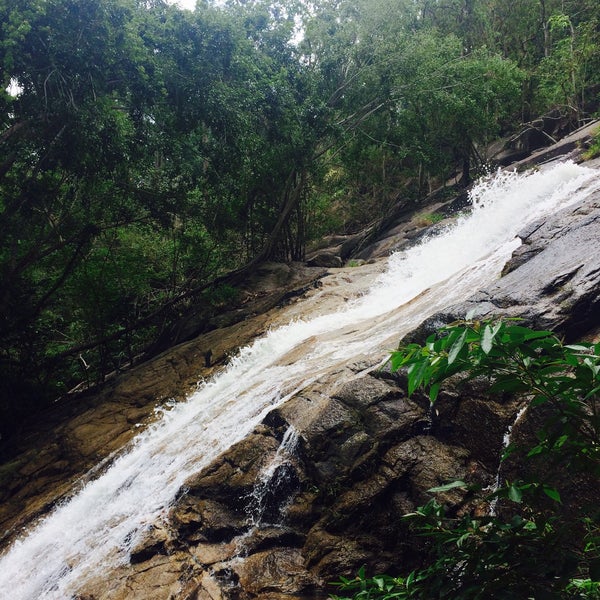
point(368, 454)
point(364, 454)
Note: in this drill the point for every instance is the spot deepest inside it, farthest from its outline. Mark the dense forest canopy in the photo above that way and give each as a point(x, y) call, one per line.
point(147, 150)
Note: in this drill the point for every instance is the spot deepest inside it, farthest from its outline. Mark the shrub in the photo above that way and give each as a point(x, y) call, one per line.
point(528, 549)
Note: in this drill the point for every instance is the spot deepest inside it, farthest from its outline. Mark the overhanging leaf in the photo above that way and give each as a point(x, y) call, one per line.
point(457, 347)
point(487, 339)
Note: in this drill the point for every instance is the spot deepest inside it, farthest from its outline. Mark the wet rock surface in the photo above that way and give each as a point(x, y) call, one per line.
point(86, 431)
point(552, 280)
point(366, 453)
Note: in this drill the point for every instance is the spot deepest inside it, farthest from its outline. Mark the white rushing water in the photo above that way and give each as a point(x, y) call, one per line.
point(506, 441)
point(96, 528)
point(270, 479)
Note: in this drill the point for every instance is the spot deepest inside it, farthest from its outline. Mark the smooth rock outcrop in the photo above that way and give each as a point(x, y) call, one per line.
point(551, 282)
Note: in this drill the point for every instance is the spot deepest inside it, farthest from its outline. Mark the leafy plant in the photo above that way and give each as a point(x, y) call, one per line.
point(430, 219)
point(594, 150)
point(528, 549)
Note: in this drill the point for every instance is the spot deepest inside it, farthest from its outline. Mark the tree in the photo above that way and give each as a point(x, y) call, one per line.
point(64, 138)
point(406, 102)
point(230, 135)
point(567, 71)
point(148, 151)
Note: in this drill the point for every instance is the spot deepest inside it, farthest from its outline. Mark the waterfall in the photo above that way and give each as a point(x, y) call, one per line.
point(272, 493)
point(506, 441)
point(96, 528)
point(273, 479)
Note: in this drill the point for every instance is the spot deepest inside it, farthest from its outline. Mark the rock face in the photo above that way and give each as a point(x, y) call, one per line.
point(84, 430)
point(256, 525)
point(537, 141)
point(366, 453)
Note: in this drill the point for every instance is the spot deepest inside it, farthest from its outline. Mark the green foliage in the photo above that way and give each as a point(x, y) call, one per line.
point(530, 548)
point(430, 219)
point(410, 105)
point(568, 70)
point(594, 150)
point(147, 151)
point(218, 138)
point(222, 295)
point(517, 359)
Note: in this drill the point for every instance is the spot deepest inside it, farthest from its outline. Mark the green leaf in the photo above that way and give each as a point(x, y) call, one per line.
point(515, 493)
point(448, 486)
point(534, 335)
point(538, 449)
point(592, 392)
point(560, 441)
point(552, 493)
point(578, 348)
point(508, 383)
point(457, 347)
point(416, 372)
point(396, 360)
point(434, 390)
point(487, 339)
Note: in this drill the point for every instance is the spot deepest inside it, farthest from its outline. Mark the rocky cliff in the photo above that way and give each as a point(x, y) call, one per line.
point(273, 517)
point(366, 453)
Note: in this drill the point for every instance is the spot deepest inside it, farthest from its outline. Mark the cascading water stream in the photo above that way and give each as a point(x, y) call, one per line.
point(95, 530)
point(271, 479)
point(271, 495)
point(506, 441)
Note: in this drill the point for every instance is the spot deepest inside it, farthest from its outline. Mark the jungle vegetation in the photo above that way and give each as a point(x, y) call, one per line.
point(146, 151)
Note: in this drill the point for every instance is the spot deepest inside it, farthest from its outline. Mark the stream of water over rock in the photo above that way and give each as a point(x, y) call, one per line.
point(103, 520)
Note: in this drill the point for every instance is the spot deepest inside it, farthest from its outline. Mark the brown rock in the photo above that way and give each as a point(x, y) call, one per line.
point(237, 469)
point(206, 520)
point(325, 259)
point(279, 570)
point(161, 577)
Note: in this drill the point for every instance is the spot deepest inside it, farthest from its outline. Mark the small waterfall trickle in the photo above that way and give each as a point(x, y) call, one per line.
point(93, 533)
point(506, 442)
point(276, 483)
point(272, 493)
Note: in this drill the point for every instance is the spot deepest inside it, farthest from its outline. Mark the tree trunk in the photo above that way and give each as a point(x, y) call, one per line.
point(292, 195)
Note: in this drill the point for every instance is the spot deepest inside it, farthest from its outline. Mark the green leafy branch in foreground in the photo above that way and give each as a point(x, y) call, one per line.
point(519, 360)
point(529, 550)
